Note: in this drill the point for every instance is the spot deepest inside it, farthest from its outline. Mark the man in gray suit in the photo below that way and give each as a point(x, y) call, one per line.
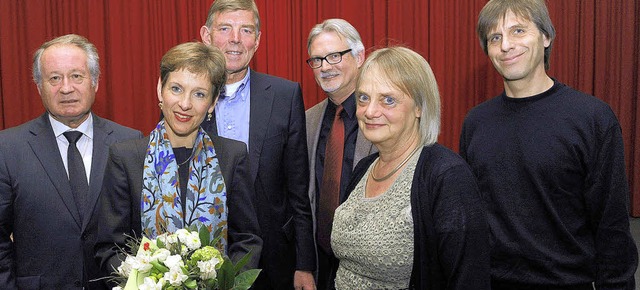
point(336, 53)
point(51, 220)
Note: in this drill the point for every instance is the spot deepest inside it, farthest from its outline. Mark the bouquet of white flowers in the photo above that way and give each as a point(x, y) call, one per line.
point(182, 260)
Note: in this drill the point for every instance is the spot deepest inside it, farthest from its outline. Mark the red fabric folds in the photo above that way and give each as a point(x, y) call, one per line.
point(596, 51)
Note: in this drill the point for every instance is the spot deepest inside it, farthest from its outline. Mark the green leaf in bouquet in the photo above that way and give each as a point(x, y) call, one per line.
point(243, 261)
point(246, 279)
point(191, 284)
point(208, 284)
point(226, 275)
point(161, 268)
point(205, 236)
point(160, 244)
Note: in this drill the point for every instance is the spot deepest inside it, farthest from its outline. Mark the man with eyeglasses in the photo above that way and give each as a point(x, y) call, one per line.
point(51, 171)
point(336, 53)
point(266, 113)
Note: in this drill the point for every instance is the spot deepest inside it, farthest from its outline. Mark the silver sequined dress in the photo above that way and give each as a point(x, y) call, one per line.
point(373, 237)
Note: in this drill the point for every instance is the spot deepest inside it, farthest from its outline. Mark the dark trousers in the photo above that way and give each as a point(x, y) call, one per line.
point(327, 267)
point(500, 285)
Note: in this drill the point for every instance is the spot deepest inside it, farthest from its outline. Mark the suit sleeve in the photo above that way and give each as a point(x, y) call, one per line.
point(297, 173)
point(607, 198)
point(7, 268)
point(244, 231)
point(114, 214)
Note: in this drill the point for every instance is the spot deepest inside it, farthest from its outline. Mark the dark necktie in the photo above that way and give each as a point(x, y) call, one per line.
point(77, 173)
point(330, 188)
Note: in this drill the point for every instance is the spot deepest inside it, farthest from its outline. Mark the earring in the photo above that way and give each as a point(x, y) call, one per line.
point(160, 105)
point(209, 117)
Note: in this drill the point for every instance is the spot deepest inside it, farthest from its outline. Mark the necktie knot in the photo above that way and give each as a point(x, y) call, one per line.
point(338, 111)
point(72, 136)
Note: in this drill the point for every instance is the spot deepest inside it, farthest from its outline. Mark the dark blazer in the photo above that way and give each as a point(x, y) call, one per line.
point(52, 247)
point(119, 207)
point(280, 172)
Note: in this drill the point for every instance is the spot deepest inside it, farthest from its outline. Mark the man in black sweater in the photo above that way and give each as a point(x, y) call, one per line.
point(550, 165)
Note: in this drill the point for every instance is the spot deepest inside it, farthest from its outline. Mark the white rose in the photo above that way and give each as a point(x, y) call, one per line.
point(182, 235)
point(168, 239)
point(173, 261)
point(192, 241)
point(150, 284)
point(208, 269)
point(175, 276)
point(141, 263)
point(125, 268)
point(160, 255)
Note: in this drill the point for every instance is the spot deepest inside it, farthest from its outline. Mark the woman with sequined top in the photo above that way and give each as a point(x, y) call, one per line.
point(414, 217)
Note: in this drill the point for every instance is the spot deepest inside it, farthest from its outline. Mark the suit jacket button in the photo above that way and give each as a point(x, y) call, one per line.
point(77, 283)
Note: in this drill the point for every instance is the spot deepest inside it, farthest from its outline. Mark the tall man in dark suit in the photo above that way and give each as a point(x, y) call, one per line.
point(336, 53)
point(52, 221)
point(267, 114)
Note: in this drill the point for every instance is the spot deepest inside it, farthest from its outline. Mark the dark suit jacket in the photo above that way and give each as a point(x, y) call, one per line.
point(52, 247)
point(119, 207)
point(280, 172)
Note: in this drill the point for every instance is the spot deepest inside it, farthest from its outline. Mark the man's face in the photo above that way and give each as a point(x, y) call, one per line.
point(234, 33)
point(66, 89)
point(337, 80)
point(516, 48)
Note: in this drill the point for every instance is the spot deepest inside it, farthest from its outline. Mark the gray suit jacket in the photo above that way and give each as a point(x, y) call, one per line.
point(314, 123)
point(119, 206)
point(52, 247)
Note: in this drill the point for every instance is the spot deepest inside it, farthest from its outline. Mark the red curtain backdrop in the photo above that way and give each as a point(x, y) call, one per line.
point(596, 51)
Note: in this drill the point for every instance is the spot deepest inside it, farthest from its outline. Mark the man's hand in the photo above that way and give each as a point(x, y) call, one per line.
point(303, 280)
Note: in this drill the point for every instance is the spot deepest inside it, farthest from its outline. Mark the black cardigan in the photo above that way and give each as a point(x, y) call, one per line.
point(451, 234)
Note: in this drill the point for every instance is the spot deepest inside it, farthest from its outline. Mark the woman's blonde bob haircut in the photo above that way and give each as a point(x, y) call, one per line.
point(409, 72)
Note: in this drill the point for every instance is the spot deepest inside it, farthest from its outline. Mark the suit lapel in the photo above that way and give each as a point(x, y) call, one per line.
point(314, 119)
point(45, 147)
point(261, 102)
point(98, 163)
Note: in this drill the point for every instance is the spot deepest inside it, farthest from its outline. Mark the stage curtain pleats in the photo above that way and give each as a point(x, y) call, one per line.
point(596, 51)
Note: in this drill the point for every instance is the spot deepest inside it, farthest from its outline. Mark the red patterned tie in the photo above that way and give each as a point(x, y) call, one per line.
point(330, 188)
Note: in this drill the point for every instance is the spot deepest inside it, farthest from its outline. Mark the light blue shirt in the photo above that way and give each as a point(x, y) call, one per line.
point(232, 111)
